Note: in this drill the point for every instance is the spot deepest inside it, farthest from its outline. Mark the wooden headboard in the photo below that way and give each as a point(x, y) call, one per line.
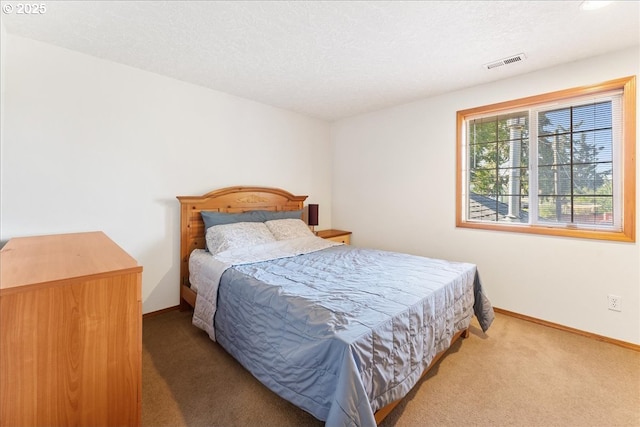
point(230, 199)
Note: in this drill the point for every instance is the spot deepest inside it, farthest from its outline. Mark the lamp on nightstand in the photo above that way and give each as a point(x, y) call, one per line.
point(313, 216)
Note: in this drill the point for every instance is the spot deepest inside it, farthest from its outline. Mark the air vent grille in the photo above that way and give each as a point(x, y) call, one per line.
point(505, 61)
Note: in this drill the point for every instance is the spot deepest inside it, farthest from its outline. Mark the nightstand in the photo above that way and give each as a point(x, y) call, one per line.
point(339, 236)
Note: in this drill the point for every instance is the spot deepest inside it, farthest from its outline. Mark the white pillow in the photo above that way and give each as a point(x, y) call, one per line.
point(286, 229)
point(240, 234)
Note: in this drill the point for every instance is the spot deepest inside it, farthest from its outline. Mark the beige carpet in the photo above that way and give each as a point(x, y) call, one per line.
point(519, 374)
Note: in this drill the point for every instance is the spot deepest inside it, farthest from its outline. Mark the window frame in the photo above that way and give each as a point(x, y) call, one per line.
point(627, 153)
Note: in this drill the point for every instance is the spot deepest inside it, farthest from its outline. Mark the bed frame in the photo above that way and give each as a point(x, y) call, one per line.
point(231, 200)
point(236, 200)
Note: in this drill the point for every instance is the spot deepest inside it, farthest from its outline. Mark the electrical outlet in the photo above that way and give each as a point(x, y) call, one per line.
point(615, 303)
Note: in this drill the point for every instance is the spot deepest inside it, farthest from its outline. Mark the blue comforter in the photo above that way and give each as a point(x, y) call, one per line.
point(344, 331)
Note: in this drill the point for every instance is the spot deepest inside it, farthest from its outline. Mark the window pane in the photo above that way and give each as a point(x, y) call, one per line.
point(603, 145)
point(554, 180)
point(524, 181)
point(483, 156)
point(592, 116)
point(593, 210)
point(554, 150)
point(504, 154)
point(593, 146)
point(483, 181)
point(511, 181)
point(554, 122)
point(554, 209)
point(483, 130)
point(498, 209)
point(604, 210)
point(482, 208)
point(546, 152)
point(584, 179)
point(513, 153)
point(592, 179)
point(503, 128)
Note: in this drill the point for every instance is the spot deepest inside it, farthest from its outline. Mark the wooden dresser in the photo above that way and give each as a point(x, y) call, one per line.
point(70, 332)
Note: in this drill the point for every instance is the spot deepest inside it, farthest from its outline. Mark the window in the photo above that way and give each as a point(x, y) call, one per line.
point(560, 164)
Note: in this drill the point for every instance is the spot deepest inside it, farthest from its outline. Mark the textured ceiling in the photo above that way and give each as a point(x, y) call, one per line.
point(332, 59)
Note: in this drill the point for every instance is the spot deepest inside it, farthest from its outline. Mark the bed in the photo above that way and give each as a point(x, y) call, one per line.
point(341, 332)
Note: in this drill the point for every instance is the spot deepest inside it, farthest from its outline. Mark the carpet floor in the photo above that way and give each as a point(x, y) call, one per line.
point(518, 374)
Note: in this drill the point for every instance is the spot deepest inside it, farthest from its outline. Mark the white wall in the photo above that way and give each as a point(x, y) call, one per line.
point(394, 187)
point(89, 144)
point(3, 38)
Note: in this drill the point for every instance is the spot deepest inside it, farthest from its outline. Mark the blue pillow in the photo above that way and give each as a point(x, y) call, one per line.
point(212, 218)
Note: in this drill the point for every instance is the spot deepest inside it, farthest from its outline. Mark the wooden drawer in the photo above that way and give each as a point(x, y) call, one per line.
point(339, 236)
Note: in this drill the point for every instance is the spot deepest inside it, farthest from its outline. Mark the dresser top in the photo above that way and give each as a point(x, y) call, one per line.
point(35, 260)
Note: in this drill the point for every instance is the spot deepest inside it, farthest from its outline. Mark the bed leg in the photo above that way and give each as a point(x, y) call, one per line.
point(187, 298)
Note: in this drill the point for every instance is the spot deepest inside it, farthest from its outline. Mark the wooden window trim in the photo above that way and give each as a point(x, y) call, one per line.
point(628, 232)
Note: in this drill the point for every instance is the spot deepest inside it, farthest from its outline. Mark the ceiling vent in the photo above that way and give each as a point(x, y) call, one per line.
point(505, 61)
